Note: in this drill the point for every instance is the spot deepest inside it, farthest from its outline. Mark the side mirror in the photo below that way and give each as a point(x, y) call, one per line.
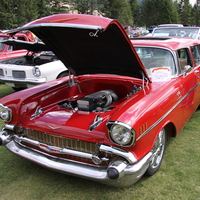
point(187, 69)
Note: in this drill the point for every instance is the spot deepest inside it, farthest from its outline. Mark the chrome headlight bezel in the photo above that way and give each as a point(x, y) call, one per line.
point(5, 113)
point(121, 133)
point(36, 72)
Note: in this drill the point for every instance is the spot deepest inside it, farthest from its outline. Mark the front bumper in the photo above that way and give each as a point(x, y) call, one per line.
point(120, 173)
point(32, 81)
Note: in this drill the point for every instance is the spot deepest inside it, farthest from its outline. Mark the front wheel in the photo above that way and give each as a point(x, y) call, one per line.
point(63, 74)
point(158, 153)
point(17, 89)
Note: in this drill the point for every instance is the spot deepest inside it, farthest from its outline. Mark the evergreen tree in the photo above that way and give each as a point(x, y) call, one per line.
point(7, 16)
point(185, 12)
point(162, 11)
point(85, 6)
point(43, 8)
point(16, 13)
point(119, 9)
point(151, 12)
point(57, 6)
point(196, 16)
point(25, 11)
point(135, 9)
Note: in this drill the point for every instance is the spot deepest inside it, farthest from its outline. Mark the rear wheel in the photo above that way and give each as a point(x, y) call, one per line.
point(158, 153)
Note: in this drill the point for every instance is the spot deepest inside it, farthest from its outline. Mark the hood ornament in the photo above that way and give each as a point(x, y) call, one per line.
point(97, 121)
point(37, 112)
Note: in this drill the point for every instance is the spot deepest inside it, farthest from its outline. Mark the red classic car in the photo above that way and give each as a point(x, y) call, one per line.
point(109, 119)
point(8, 51)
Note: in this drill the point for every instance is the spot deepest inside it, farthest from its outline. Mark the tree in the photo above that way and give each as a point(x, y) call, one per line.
point(7, 15)
point(85, 6)
point(25, 11)
point(162, 11)
point(196, 16)
point(57, 6)
point(43, 8)
point(118, 9)
point(185, 12)
point(16, 13)
point(135, 9)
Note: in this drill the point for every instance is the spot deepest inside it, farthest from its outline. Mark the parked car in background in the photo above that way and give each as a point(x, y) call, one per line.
point(38, 66)
point(186, 32)
point(133, 32)
point(7, 51)
point(170, 25)
point(151, 28)
point(107, 121)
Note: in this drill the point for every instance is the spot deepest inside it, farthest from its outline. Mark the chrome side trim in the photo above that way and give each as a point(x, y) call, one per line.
point(166, 114)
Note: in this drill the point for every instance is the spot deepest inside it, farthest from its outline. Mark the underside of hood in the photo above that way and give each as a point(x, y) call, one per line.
point(88, 44)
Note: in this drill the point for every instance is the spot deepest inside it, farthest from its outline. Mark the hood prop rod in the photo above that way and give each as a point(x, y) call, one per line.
point(71, 82)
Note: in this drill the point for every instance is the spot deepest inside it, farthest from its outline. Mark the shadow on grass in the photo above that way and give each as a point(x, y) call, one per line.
point(5, 90)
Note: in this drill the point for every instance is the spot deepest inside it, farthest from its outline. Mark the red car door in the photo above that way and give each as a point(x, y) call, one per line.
point(189, 81)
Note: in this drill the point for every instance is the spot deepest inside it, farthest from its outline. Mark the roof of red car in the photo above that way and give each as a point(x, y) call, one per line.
point(170, 43)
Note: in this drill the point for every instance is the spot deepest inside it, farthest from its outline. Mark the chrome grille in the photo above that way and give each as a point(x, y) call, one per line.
point(18, 74)
point(1, 72)
point(61, 142)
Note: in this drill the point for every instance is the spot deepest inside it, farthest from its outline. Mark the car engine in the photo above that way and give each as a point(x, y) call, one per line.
point(95, 102)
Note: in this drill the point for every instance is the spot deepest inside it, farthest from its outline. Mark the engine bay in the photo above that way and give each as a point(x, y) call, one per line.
point(100, 101)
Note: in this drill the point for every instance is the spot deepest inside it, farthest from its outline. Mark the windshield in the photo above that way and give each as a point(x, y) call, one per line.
point(176, 32)
point(1, 44)
point(156, 57)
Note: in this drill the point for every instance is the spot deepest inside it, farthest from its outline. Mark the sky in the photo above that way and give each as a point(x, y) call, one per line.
point(192, 2)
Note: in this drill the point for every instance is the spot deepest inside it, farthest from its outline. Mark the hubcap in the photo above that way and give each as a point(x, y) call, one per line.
point(158, 150)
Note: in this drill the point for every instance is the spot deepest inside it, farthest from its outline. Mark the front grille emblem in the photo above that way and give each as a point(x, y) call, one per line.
point(52, 149)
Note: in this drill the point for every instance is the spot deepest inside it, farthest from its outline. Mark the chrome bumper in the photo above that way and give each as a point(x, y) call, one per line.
point(120, 173)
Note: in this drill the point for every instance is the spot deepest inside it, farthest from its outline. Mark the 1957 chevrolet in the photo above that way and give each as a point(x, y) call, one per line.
point(109, 119)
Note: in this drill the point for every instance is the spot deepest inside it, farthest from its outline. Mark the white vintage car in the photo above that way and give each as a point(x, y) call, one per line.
point(36, 67)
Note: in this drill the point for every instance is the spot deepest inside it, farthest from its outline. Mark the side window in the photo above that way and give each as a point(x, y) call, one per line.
point(184, 58)
point(196, 54)
point(10, 48)
point(2, 46)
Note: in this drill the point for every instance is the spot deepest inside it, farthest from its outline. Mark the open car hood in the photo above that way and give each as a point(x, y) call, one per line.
point(30, 46)
point(88, 44)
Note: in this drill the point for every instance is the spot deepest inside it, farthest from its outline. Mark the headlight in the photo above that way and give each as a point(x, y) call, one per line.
point(5, 113)
point(122, 134)
point(36, 72)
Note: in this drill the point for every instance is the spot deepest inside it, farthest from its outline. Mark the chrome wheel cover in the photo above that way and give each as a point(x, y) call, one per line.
point(158, 150)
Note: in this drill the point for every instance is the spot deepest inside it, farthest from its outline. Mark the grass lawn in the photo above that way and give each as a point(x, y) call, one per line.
point(178, 177)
